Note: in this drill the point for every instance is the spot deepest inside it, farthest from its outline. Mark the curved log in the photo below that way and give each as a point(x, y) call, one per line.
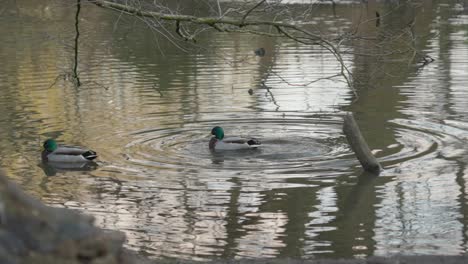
point(359, 146)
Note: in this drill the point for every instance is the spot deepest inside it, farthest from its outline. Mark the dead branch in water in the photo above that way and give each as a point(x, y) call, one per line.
point(359, 146)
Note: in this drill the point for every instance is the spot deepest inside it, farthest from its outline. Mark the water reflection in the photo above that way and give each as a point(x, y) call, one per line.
point(52, 168)
point(148, 111)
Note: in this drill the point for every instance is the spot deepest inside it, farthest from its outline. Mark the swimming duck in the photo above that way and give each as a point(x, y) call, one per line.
point(65, 154)
point(233, 143)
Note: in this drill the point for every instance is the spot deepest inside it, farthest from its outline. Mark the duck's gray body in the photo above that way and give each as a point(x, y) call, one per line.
point(233, 143)
point(64, 154)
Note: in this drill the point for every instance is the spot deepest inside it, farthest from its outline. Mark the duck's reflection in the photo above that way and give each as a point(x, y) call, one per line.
point(217, 157)
point(52, 168)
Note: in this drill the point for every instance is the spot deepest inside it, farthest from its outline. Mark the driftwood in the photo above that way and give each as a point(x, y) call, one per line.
point(359, 146)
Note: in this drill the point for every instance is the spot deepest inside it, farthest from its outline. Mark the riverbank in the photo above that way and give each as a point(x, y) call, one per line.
point(31, 232)
point(371, 260)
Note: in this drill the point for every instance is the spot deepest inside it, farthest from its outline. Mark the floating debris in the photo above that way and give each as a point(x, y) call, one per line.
point(260, 52)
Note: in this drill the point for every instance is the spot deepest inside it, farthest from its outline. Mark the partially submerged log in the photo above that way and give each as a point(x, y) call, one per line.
point(31, 232)
point(359, 146)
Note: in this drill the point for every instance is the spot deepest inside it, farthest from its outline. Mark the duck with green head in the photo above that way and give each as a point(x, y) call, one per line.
point(65, 154)
point(219, 142)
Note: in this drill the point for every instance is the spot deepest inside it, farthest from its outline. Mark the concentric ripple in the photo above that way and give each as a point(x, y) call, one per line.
point(289, 145)
point(423, 139)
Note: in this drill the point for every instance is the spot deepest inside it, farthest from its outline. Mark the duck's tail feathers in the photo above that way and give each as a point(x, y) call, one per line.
point(254, 142)
point(90, 155)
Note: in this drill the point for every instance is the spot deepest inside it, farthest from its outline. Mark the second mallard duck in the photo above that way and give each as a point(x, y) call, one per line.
point(219, 142)
point(64, 154)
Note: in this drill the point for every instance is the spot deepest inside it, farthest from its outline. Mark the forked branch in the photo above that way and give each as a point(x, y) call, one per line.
point(240, 24)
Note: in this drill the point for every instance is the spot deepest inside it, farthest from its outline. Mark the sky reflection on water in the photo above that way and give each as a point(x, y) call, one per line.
point(148, 112)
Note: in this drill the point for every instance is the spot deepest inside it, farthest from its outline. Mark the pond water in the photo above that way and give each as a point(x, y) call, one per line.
point(147, 104)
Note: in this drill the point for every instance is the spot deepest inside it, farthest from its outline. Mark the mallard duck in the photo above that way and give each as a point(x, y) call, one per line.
point(64, 154)
point(219, 142)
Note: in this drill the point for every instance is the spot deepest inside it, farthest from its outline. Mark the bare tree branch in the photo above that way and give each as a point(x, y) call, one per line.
point(250, 10)
point(211, 21)
point(283, 22)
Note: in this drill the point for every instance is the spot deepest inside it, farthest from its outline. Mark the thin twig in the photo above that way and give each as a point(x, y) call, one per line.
point(250, 10)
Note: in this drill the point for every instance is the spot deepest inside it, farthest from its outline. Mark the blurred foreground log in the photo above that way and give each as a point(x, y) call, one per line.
point(359, 146)
point(31, 232)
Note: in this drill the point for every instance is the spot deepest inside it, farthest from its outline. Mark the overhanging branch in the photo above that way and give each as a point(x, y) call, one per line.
point(211, 21)
point(230, 24)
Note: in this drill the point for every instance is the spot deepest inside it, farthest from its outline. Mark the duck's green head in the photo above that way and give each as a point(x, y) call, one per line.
point(218, 132)
point(50, 145)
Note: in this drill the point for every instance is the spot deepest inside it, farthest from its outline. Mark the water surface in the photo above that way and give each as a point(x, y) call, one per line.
point(147, 105)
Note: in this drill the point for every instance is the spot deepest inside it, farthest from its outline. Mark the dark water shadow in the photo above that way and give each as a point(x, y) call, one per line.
point(219, 156)
point(52, 168)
